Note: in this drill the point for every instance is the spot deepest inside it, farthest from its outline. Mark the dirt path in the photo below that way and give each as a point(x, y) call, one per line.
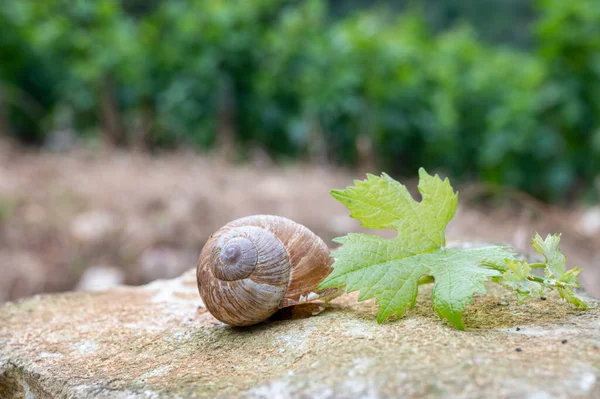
point(88, 219)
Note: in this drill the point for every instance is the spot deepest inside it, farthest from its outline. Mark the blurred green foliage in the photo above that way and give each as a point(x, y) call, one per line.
point(290, 78)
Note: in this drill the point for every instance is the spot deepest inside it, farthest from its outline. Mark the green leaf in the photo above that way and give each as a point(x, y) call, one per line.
point(556, 263)
point(389, 269)
point(517, 278)
point(555, 260)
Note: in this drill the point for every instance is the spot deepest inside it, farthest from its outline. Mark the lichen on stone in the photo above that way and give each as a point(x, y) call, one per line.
point(155, 341)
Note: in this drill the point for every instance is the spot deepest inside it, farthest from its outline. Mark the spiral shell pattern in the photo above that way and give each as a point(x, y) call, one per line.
point(253, 266)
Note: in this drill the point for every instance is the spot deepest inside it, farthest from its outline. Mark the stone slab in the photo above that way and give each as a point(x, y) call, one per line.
point(157, 341)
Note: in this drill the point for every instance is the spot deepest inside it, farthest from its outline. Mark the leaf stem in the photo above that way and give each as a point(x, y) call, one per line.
point(426, 280)
point(537, 279)
point(537, 265)
point(551, 283)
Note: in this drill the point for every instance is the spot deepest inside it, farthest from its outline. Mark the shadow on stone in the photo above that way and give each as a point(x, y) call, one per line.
point(498, 309)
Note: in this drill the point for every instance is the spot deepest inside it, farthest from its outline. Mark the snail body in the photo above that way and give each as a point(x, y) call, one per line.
point(253, 266)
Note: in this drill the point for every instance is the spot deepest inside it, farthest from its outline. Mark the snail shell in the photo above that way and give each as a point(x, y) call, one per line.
point(253, 266)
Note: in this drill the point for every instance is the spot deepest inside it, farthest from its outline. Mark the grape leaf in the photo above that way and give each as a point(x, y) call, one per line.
point(548, 248)
point(517, 277)
point(556, 263)
point(390, 269)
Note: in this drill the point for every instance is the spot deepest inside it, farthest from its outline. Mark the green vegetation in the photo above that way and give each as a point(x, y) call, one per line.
point(290, 78)
point(391, 270)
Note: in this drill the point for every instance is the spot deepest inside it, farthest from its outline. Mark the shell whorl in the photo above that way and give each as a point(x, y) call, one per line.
point(252, 266)
point(250, 252)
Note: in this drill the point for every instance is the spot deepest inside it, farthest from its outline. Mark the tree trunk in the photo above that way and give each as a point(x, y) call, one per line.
point(144, 121)
point(4, 126)
point(364, 143)
point(110, 117)
point(225, 140)
point(317, 144)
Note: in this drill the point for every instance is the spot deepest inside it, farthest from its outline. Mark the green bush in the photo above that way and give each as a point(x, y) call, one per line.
point(287, 77)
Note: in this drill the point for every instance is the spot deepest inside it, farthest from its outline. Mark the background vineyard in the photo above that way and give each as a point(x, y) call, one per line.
point(507, 92)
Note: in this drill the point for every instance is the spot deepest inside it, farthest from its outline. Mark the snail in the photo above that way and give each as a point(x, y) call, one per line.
point(253, 266)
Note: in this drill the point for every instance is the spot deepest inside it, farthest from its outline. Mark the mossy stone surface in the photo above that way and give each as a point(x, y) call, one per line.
point(156, 341)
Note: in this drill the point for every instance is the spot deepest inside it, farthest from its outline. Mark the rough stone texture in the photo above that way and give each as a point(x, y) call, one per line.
point(156, 341)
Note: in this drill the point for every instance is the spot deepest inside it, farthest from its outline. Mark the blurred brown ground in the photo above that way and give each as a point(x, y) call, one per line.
point(91, 219)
